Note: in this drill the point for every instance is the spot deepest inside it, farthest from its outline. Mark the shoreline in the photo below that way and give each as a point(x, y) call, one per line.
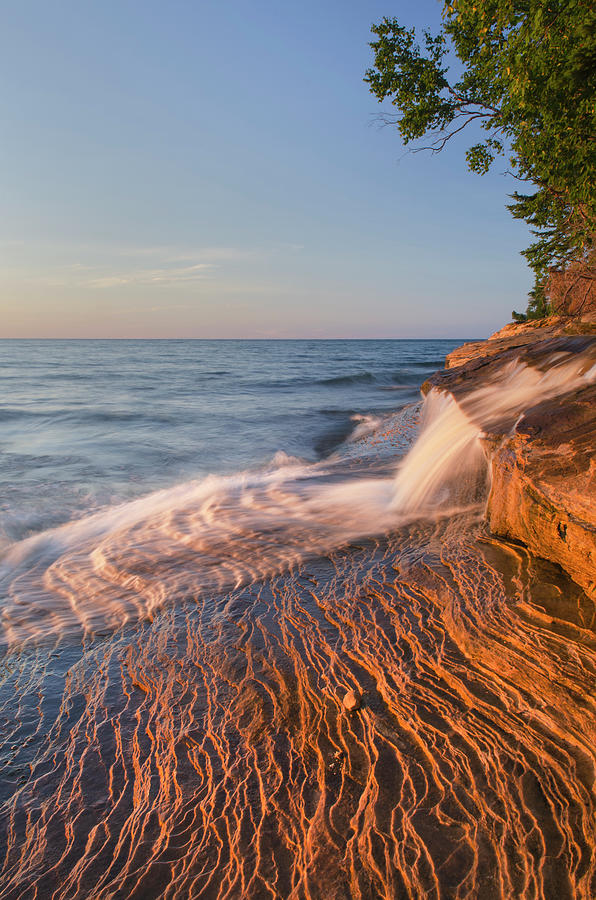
point(542, 466)
point(206, 748)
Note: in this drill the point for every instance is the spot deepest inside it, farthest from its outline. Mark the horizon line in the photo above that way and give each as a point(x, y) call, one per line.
point(435, 338)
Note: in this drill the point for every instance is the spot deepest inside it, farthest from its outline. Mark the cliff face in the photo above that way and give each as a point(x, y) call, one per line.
point(543, 463)
point(543, 489)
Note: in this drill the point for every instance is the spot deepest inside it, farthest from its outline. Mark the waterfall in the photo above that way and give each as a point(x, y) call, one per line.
point(446, 467)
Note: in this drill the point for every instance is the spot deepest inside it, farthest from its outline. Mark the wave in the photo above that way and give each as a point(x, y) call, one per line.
point(89, 416)
point(364, 426)
point(126, 561)
point(123, 563)
point(448, 460)
point(407, 374)
point(431, 364)
point(349, 428)
point(209, 750)
point(402, 377)
point(356, 378)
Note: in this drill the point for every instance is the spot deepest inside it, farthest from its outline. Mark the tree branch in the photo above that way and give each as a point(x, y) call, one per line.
point(440, 142)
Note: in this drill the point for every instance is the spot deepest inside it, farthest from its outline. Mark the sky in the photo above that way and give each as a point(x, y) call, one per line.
point(198, 169)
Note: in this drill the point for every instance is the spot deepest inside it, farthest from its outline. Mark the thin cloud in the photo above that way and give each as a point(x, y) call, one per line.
point(172, 275)
point(109, 268)
point(167, 307)
point(168, 254)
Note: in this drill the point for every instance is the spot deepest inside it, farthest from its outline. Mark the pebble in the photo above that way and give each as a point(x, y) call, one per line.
point(352, 701)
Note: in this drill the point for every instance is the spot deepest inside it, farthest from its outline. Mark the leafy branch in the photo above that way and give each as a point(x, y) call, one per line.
point(528, 79)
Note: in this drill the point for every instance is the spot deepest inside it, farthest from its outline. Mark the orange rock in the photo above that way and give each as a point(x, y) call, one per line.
point(352, 701)
point(520, 335)
point(544, 484)
point(543, 466)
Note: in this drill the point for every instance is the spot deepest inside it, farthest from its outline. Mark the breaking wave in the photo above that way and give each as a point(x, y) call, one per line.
point(175, 669)
point(222, 532)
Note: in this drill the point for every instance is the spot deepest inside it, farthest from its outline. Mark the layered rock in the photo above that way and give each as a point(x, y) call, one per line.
point(518, 335)
point(543, 489)
point(543, 463)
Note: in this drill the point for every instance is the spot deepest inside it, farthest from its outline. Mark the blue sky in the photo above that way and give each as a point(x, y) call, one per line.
point(203, 169)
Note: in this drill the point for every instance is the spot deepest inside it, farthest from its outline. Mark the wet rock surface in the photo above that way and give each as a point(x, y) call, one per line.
point(544, 484)
point(516, 336)
point(204, 749)
point(202, 755)
point(352, 701)
point(461, 380)
point(543, 463)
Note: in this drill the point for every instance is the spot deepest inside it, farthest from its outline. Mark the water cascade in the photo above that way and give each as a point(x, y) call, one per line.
point(173, 675)
point(227, 531)
point(446, 468)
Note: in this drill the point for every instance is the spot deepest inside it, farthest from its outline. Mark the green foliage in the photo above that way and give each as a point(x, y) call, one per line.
point(538, 305)
point(519, 317)
point(528, 79)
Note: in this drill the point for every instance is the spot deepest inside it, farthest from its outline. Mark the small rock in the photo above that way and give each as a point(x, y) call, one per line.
point(352, 701)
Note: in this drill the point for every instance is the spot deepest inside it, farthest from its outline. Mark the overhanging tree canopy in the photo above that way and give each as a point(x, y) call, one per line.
point(528, 79)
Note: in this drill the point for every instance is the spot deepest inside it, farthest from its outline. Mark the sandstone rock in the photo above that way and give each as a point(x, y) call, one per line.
point(518, 335)
point(543, 467)
point(352, 701)
point(489, 358)
point(544, 484)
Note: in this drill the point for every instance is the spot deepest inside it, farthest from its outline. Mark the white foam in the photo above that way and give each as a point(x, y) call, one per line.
point(205, 536)
point(446, 464)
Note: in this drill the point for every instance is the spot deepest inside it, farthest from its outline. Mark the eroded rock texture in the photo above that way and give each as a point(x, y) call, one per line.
point(172, 712)
point(543, 463)
point(207, 753)
point(544, 484)
point(518, 336)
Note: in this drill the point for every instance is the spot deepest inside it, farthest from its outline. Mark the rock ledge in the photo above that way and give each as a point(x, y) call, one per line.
point(543, 467)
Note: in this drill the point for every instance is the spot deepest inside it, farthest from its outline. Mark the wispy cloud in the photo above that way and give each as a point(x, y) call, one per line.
point(108, 267)
point(142, 276)
point(166, 265)
point(123, 311)
point(170, 254)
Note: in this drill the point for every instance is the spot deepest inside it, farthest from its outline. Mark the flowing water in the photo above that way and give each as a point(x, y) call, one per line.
point(206, 545)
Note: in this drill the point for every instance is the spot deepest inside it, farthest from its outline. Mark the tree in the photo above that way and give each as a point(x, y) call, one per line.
point(528, 80)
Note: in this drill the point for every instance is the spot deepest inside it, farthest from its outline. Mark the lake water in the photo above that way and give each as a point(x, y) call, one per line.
point(205, 546)
point(88, 424)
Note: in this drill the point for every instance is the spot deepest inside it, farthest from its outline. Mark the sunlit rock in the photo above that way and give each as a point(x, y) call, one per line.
point(352, 701)
point(535, 406)
point(519, 335)
point(544, 484)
